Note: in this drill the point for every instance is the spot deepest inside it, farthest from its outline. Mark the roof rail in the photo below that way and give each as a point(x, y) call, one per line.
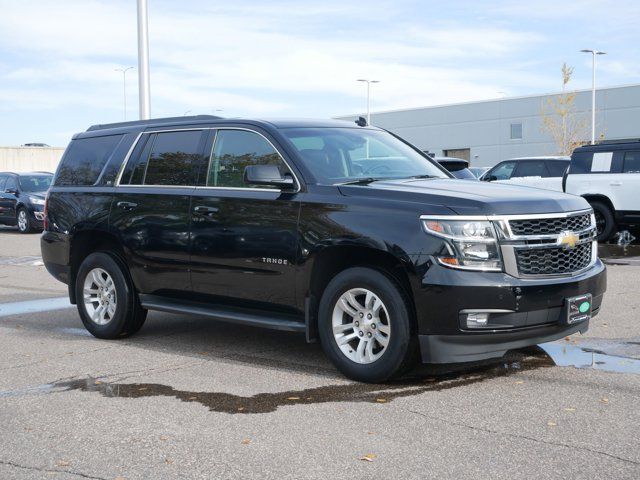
point(152, 121)
point(621, 140)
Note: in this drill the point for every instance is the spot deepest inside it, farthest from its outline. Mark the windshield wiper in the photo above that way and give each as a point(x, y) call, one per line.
point(361, 181)
point(424, 176)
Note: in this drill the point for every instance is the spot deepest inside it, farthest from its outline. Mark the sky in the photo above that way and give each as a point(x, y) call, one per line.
point(282, 58)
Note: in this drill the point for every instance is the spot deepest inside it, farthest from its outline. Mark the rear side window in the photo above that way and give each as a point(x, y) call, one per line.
point(556, 168)
point(84, 160)
point(173, 158)
point(581, 162)
point(631, 163)
point(531, 168)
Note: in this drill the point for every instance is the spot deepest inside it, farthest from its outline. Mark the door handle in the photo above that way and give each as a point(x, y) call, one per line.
point(127, 205)
point(202, 210)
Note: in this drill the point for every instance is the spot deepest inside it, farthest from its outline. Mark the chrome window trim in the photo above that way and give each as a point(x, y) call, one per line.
point(137, 140)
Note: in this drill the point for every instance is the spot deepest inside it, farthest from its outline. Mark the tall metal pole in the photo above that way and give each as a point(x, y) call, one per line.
point(368, 82)
point(124, 88)
point(143, 61)
point(593, 91)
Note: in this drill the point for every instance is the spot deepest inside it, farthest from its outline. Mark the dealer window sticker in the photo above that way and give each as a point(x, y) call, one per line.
point(601, 162)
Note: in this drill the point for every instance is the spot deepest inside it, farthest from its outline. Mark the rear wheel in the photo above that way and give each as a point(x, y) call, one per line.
point(107, 301)
point(365, 326)
point(605, 223)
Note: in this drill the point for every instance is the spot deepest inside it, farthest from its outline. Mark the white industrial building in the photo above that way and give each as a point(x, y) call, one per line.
point(30, 159)
point(489, 131)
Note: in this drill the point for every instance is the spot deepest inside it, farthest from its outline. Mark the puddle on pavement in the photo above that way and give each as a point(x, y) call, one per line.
point(621, 357)
point(619, 255)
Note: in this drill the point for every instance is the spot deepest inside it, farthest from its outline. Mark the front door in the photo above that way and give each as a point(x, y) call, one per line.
point(243, 236)
point(151, 209)
point(9, 199)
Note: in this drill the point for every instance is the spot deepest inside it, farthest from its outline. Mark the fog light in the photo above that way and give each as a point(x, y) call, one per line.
point(477, 320)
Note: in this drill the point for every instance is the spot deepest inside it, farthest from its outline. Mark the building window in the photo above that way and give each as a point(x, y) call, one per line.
point(516, 131)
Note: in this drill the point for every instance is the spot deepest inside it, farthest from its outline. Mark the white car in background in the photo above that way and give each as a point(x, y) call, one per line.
point(538, 172)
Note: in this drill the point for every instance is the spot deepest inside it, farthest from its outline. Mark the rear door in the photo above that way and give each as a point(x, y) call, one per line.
point(531, 173)
point(151, 208)
point(244, 237)
point(3, 213)
point(629, 182)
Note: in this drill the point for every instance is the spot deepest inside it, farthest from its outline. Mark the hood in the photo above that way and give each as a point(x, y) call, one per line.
point(471, 198)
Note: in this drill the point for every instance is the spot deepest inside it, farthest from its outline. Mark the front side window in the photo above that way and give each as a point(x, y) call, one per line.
point(631, 162)
point(12, 184)
point(531, 168)
point(173, 158)
point(233, 151)
point(35, 183)
point(502, 171)
point(338, 155)
point(3, 180)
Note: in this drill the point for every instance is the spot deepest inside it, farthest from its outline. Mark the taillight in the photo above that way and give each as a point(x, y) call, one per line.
point(45, 221)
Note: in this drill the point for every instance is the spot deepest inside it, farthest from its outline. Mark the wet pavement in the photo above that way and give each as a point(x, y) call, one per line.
point(191, 398)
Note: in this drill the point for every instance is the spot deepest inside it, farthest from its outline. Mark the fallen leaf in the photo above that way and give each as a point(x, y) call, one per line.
point(203, 353)
point(28, 429)
point(62, 463)
point(566, 339)
point(192, 398)
point(552, 424)
point(569, 409)
point(519, 382)
point(246, 441)
point(164, 438)
point(293, 398)
point(381, 400)
point(370, 433)
point(120, 478)
point(430, 380)
point(368, 457)
point(240, 409)
point(97, 382)
point(168, 461)
point(604, 400)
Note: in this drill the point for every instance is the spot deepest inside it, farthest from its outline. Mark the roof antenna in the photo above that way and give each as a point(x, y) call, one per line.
point(361, 122)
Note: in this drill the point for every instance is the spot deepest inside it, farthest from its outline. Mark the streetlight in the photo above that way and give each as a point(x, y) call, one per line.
point(124, 87)
point(143, 61)
point(368, 82)
point(593, 90)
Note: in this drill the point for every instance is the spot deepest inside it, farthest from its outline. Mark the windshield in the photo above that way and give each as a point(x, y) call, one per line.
point(35, 183)
point(339, 155)
point(464, 174)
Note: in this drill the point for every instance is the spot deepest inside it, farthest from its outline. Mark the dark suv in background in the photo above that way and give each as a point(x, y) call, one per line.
point(22, 198)
point(340, 231)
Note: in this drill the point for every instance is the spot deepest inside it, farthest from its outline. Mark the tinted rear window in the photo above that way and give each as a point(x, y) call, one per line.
point(173, 158)
point(631, 162)
point(84, 160)
point(556, 167)
point(581, 162)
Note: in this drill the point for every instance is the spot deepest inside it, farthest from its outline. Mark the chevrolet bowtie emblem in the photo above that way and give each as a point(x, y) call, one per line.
point(568, 240)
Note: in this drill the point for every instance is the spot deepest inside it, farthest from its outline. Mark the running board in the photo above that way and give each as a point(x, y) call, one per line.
point(224, 313)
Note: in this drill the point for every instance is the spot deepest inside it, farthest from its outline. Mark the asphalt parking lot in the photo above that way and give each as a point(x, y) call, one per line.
point(193, 398)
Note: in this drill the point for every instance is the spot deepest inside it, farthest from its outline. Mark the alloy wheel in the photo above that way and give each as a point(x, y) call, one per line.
point(100, 299)
point(361, 325)
point(23, 221)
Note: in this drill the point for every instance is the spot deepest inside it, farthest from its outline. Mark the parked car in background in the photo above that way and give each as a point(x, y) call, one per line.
point(459, 167)
point(22, 198)
point(479, 171)
point(607, 175)
point(539, 172)
point(340, 231)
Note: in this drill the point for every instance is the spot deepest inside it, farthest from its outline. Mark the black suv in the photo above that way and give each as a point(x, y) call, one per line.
point(22, 199)
point(344, 232)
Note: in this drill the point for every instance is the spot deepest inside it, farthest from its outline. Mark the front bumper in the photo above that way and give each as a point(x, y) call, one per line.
point(534, 311)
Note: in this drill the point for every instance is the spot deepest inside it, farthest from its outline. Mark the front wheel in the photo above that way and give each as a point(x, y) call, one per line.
point(23, 221)
point(107, 301)
point(365, 326)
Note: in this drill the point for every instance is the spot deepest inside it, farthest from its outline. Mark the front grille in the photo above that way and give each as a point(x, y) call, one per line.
point(553, 261)
point(550, 226)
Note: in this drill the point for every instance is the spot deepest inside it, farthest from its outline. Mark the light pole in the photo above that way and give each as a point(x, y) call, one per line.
point(143, 61)
point(593, 90)
point(124, 87)
point(368, 82)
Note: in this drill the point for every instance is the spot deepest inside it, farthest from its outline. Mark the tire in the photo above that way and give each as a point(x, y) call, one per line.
point(393, 319)
point(23, 222)
point(605, 222)
point(121, 314)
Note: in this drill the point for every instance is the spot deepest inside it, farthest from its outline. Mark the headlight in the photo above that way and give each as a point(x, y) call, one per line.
point(36, 201)
point(471, 244)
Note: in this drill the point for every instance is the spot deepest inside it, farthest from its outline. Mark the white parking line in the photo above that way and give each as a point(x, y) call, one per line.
point(34, 306)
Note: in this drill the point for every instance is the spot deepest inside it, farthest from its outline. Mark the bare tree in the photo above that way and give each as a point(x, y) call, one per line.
point(560, 119)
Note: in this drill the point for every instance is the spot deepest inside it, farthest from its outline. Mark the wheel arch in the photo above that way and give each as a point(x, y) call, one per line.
point(599, 197)
point(82, 244)
point(331, 260)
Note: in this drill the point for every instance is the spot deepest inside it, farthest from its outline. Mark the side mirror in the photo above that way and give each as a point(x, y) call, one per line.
point(268, 175)
point(490, 178)
point(12, 191)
